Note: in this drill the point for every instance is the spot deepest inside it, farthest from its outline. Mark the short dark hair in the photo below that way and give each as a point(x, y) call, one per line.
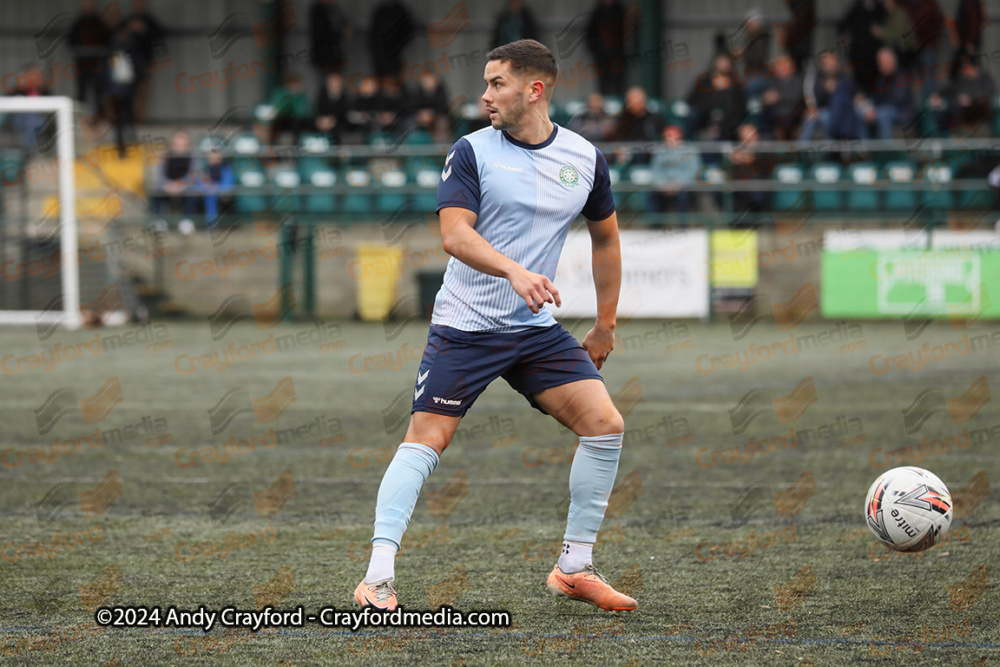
point(527, 56)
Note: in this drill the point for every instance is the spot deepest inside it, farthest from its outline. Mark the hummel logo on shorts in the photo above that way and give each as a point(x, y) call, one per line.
point(445, 401)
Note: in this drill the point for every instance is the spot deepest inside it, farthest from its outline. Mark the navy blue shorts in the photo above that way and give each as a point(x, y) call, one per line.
point(457, 366)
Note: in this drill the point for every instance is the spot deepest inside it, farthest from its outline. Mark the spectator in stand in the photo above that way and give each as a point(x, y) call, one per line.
point(291, 109)
point(392, 110)
point(855, 28)
point(88, 37)
point(751, 45)
point(392, 29)
point(593, 124)
point(891, 103)
point(176, 178)
point(332, 106)
point(148, 33)
point(783, 99)
point(215, 182)
point(606, 42)
point(675, 169)
point(830, 101)
point(746, 167)
point(637, 123)
point(118, 81)
point(430, 104)
point(717, 103)
point(896, 31)
point(31, 83)
point(378, 109)
point(515, 22)
point(329, 28)
point(797, 33)
point(928, 27)
point(969, 27)
point(965, 104)
point(361, 115)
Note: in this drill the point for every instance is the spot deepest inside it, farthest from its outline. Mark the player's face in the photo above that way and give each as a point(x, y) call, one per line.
point(504, 96)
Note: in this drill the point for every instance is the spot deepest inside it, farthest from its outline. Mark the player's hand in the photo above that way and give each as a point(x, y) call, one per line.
point(535, 288)
point(598, 343)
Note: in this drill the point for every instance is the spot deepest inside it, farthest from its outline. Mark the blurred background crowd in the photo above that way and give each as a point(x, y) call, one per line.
point(897, 69)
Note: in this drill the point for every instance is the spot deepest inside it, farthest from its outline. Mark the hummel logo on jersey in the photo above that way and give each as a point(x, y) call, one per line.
point(497, 165)
point(445, 401)
point(421, 378)
point(447, 167)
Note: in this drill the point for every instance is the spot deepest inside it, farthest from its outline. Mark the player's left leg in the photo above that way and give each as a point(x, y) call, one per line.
point(586, 408)
point(559, 378)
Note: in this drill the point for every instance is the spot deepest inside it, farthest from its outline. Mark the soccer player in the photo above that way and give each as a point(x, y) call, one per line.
point(507, 196)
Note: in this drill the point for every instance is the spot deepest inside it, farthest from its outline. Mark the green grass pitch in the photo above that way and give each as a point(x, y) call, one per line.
point(734, 559)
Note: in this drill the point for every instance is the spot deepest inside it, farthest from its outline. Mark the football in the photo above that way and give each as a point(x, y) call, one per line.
point(908, 509)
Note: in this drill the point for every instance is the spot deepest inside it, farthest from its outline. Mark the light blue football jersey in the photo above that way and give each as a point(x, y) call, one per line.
point(526, 196)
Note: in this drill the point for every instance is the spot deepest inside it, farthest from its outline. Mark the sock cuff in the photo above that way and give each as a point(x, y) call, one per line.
point(382, 541)
point(610, 441)
point(424, 452)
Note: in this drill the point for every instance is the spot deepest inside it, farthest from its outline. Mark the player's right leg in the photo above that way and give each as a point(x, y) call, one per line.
point(426, 437)
point(455, 369)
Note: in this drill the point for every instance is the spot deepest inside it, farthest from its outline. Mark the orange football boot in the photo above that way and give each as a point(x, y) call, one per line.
point(379, 595)
point(589, 586)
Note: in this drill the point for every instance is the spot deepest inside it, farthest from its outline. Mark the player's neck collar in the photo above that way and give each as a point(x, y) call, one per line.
point(532, 147)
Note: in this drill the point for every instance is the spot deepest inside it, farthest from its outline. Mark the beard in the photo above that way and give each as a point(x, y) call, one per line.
point(512, 116)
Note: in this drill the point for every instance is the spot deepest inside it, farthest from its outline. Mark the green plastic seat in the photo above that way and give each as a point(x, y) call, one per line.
point(790, 176)
point(359, 203)
point(387, 201)
point(315, 153)
point(428, 181)
point(321, 202)
point(936, 190)
point(826, 173)
point(287, 200)
point(248, 201)
point(863, 193)
point(900, 173)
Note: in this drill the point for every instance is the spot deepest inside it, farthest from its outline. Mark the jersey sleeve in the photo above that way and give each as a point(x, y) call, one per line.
point(600, 204)
point(459, 185)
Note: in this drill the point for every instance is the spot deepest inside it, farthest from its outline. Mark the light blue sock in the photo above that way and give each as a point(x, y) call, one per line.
point(591, 479)
point(400, 488)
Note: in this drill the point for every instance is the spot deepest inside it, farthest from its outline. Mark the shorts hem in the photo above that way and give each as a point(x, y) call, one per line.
point(440, 411)
point(534, 403)
point(560, 382)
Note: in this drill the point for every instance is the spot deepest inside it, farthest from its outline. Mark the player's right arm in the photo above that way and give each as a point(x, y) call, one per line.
point(465, 244)
point(458, 209)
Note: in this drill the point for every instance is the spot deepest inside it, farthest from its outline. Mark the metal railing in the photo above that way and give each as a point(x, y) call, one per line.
point(714, 179)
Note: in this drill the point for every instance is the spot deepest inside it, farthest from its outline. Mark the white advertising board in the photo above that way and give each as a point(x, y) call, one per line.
point(664, 274)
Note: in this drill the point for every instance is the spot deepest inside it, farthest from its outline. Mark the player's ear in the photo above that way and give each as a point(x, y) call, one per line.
point(538, 90)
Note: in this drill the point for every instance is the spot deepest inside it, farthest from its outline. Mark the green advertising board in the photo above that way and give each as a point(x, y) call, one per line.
point(875, 283)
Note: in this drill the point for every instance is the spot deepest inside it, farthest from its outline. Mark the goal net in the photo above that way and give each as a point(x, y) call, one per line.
point(47, 278)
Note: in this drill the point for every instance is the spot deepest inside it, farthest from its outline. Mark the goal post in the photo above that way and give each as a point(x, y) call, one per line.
point(62, 106)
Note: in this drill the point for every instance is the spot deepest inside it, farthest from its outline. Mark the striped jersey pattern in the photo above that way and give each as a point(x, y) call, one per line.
point(525, 196)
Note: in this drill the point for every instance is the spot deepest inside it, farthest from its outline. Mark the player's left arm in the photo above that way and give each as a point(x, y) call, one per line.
point(607, 267)
point(602, 221)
